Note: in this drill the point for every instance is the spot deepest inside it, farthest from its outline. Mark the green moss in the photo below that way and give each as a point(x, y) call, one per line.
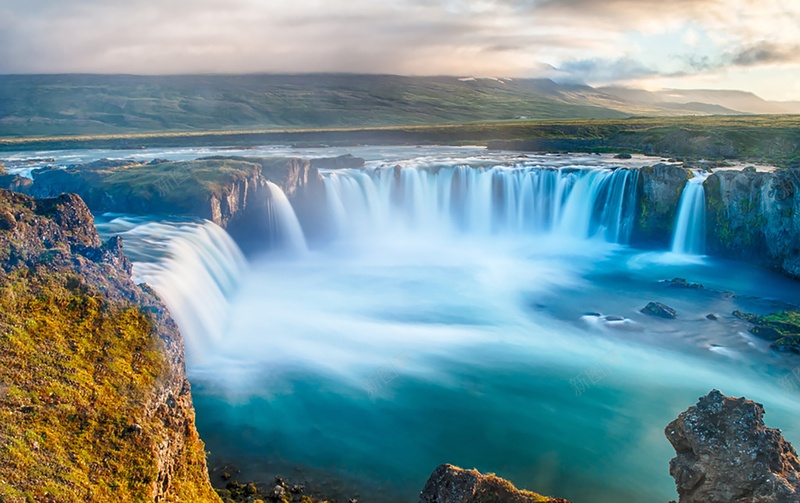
point(77, 372)
point(787, 322)
point(179, 184)
point(721, 230)
point(179, 188)
point(782, 328)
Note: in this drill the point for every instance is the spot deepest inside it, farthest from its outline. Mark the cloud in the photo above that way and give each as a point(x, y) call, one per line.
point(587, 40)
point(764, 52)
point(182, 36)
point(602, 71)
point(761, 53)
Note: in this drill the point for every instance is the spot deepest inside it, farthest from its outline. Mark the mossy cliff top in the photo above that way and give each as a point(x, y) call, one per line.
point(146, 188)
point(94, 403)
point(220, 189)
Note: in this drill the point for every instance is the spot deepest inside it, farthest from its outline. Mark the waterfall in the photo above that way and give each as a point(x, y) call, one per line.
point(690, 229)
point(284, 231)
point(573, 202)
point(195, 267)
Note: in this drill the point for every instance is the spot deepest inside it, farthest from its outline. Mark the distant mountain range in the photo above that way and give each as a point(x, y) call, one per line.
point(42, 105)
point(714, 101)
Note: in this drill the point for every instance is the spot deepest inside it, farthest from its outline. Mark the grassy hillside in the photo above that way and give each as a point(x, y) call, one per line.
point(94, 104)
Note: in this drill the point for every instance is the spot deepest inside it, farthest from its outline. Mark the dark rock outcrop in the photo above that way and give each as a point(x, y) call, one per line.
point(660, 189)
point(725, 454)
point(659, 310)
point(346, 161)
point(450, 484)
point(278, 491)
point(115, 419)
point(291, 174)
point(755, 216)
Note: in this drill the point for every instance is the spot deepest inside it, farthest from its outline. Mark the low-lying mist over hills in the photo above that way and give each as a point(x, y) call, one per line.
point(42, 105)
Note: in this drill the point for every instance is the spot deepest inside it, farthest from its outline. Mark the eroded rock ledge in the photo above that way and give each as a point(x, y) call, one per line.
point(451, 484)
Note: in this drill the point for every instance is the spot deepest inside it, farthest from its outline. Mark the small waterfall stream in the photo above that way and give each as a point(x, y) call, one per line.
point(285, 232)
point(690, 228)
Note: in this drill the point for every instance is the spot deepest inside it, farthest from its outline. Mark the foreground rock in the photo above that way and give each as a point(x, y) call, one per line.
point(450, 484)
point(726, 454)
point(93, 393)
point(279, 491)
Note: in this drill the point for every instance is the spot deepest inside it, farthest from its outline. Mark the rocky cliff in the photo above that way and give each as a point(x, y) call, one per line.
point(242, 208)
point(725, 453)
point(752, 216)
point(212, 189)
point(756, 217)
point(660, 189)
point(94, 400)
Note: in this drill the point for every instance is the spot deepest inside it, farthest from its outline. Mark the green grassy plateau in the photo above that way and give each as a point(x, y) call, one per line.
point(771, 139)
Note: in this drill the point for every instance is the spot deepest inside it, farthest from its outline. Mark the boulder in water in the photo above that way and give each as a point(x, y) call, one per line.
point(725, 453)
point(789, 344)
point(659, 310)
point(450, 484)
point(781, 328)
point(683, 283)
point(623, 156)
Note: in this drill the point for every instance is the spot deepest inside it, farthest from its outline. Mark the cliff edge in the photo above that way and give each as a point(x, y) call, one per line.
point(94, 400)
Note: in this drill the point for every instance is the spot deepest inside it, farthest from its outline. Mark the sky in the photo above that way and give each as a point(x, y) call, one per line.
point(753, 45)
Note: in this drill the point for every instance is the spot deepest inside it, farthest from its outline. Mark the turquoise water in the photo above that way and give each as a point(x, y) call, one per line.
point(366, 368)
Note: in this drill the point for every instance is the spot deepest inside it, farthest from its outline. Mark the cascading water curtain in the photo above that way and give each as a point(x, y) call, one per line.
point(573, 202)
